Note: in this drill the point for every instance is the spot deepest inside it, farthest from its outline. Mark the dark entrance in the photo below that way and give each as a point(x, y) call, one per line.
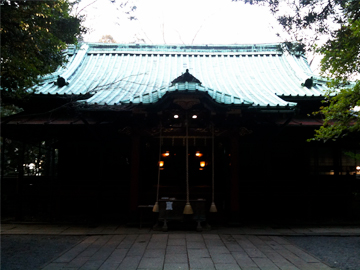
point(173, 171)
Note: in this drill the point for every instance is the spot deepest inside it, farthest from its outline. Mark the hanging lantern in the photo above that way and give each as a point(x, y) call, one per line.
point(202, 165)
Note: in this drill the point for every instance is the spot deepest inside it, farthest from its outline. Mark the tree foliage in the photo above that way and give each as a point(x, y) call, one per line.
point(33, 36)
point(341, 53)
point(340, 112)
point(341, 62)
point(332, 29)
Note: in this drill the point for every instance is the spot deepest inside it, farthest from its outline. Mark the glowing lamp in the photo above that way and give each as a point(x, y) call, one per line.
point(176, 116)
point(198, 154)
point(166, 154)
point(161, 163)
point(202, 164)
point(194, 116)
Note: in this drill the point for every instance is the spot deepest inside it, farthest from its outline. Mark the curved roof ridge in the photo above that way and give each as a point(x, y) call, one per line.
point(114, 47)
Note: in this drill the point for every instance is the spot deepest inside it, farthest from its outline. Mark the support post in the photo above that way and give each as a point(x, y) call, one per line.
point(20, 183)
point(50, 161)
point(3, 147)
point(234, 181)
point(134, 170)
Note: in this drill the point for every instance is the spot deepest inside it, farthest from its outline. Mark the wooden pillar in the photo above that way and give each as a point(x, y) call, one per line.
point(135, 172)
point(234, 180)
point(2, 149)
point(337, 160)
point(99, 152)
point(49, 172)
point(20, 183)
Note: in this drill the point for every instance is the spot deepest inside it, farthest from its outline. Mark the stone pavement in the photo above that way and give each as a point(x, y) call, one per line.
point(118, 247)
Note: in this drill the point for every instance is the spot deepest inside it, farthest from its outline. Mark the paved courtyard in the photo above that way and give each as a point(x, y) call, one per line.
point(185, 251)
point(112, 247)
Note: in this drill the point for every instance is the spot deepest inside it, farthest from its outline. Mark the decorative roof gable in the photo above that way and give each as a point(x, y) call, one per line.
point(186, 77)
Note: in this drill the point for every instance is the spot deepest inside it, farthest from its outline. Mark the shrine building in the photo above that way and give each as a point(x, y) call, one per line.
point(124, 127)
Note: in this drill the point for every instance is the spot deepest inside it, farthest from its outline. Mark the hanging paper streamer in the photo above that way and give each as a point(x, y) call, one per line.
point(169, 205)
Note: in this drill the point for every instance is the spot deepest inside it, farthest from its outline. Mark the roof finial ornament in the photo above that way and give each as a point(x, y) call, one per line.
point(60, 82)
point(186, 77)
point(308, 83)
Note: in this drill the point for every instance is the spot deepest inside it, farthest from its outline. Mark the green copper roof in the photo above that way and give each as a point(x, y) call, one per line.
point(118, 74)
